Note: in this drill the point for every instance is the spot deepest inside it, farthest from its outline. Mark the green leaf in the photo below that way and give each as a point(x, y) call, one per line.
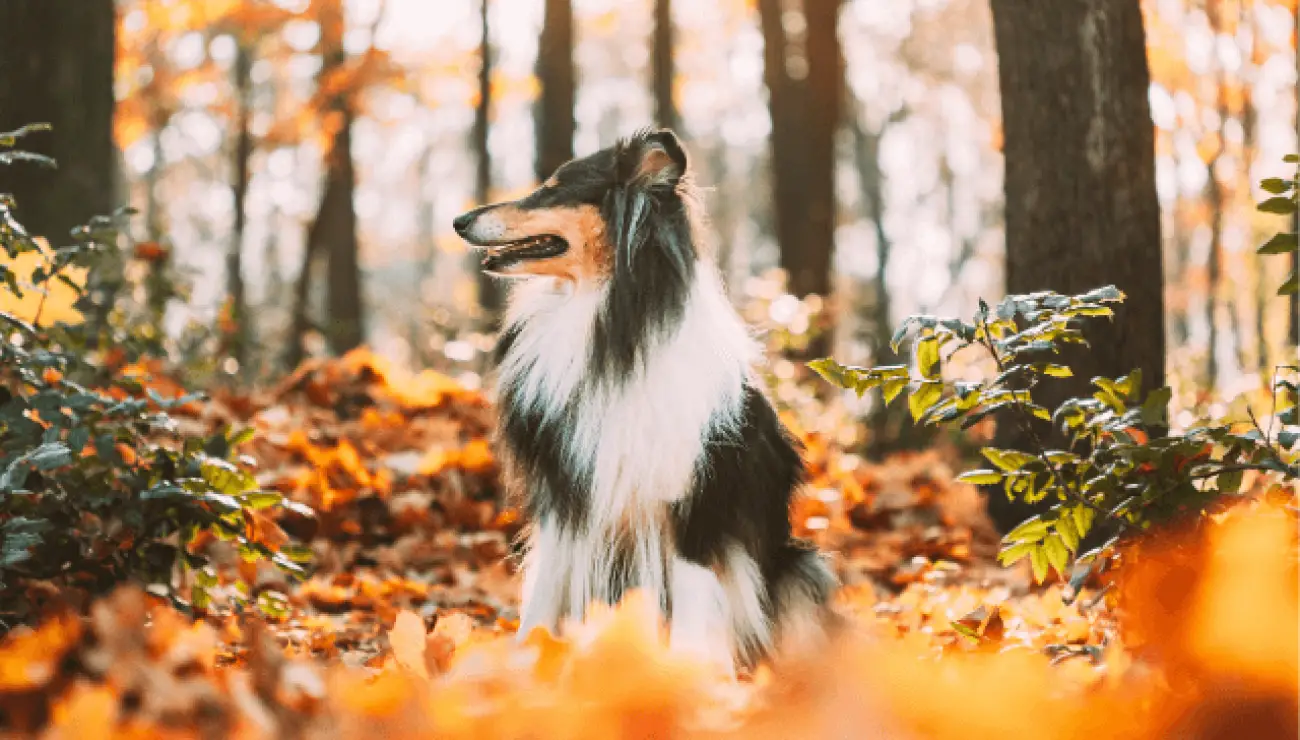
point(1083, 517)
point(1013, 553)
point(1057, 371)
point(261, 499)
point(1038, 560)
point(50, 455)
point(830, 370)
point(1068, 533)
point(1008, 460)
point(899, 335)
point(1230, 482)
point(1058, 556)
point(892, 387)
point(1106, 294)
point(1291, 286)
point(924, 398)
point(1155, 409)
point(1280, 205)
point(225, 477)
point(1283, 243)
point(1031, 530)
point(981, 477)
point(78, 439)
point(927, 357)
point(1276, 185)
point(247, 434)
point(1287, 438)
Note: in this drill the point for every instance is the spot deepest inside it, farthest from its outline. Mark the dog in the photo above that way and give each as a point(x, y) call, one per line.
point(632, 429)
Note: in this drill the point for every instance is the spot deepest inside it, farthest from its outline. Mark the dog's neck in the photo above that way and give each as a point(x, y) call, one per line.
point(567, 332)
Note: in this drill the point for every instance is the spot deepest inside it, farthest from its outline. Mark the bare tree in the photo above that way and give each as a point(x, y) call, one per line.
point(236, 295)
point(489, 292)
point(555, 118)
point(332, 236)
point(663, 64)
point(804, 76)
point(1081, 206)
point(56, 67)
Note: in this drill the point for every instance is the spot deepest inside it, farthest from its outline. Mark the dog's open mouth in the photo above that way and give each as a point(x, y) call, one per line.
point(502, 256)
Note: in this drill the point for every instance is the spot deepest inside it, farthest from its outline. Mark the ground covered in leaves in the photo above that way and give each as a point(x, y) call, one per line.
point(405, 628)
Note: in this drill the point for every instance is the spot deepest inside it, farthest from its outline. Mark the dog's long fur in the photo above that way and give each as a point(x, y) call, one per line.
point(632, 428)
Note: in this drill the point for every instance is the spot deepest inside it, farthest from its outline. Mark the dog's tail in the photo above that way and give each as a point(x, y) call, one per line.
point(801, 588)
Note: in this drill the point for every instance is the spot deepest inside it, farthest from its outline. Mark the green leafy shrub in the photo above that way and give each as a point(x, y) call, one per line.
point(1284, 200)
point(1113, 467)
point(98, 484)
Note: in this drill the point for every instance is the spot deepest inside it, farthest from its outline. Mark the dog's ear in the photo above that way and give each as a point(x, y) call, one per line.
point(657, 159)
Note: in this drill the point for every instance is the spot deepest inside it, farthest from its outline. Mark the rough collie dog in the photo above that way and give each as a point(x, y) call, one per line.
point(632, 428)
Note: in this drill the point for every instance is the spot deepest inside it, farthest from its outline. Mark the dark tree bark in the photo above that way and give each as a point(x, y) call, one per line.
point(663, 66)
point(236, 297)
point(489, 293)
point(332, 235)
point(1081, 207)
point(556, 122)
point(1293, 323)
point(56, 67)
point(343, 290)
point(804, 79)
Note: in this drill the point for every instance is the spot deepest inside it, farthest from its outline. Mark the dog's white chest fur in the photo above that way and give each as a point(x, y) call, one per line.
point(642, 438)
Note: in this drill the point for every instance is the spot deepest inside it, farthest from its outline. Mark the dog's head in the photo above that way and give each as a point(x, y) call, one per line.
point(591, 220)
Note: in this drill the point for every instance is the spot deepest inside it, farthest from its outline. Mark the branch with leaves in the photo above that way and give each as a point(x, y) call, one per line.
point(1112, 468)
point(1284, 200)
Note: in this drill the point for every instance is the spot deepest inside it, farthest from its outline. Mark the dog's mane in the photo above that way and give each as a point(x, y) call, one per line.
point(654, 243)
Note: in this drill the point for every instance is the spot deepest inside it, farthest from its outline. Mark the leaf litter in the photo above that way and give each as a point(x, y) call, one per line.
point(405, 626)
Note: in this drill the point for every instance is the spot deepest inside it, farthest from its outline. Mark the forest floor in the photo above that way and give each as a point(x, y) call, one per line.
point(406, 626)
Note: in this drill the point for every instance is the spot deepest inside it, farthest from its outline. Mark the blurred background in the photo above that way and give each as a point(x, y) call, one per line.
point(295, 164)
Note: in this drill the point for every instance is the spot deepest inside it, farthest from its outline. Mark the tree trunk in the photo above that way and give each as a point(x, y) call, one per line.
point(56, 67)
point(236, 298)
point(489, 292)
point(804, 78)
point(343, 291)
point(1293, 319)
point(1081, 207)
point(333, 233)
point(664, 70)
point(555, 115)
point(1214, 196)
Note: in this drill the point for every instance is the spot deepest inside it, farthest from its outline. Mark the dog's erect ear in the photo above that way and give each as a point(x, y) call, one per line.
point(659, 159)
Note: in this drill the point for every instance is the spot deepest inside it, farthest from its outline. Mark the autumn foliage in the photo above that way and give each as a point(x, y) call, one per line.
point(405, 627)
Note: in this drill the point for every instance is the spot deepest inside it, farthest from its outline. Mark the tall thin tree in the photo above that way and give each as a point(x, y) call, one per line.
point(1293, 323)
point(236, 298)
point(663, 65)
point(332, 236)
point(804, 76)
point(56, 67)
point(1081, 206)
point(556, 119)
point(488, 291)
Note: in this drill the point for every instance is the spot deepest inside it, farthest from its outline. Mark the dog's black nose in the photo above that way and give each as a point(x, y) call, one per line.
point(462, 222)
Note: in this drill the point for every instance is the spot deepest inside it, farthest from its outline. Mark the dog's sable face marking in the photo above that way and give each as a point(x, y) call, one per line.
point(562, 229)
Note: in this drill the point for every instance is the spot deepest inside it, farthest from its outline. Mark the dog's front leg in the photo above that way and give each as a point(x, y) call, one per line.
point(699, 624)
point(541, 602)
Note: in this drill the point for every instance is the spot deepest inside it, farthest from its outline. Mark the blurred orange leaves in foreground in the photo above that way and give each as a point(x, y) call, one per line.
point(1208, 624)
